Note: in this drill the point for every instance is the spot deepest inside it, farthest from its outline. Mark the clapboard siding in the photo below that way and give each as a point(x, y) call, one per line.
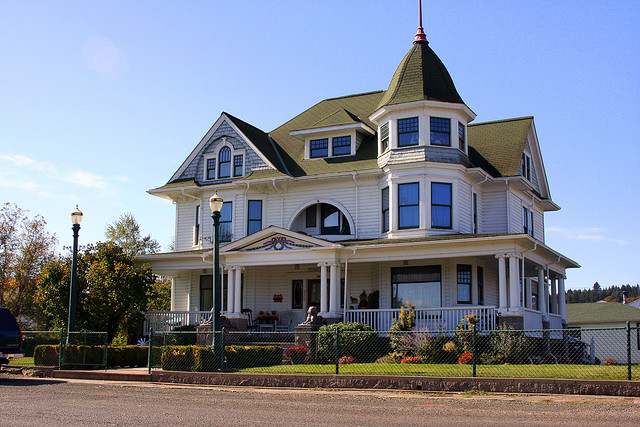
point(538, 225)
point(515, 214)
point(463, 207)
point(185, 221)
point(493, 218)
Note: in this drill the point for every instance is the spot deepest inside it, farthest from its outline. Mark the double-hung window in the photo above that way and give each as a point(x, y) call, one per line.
point(385, 209)
point(238, 163)
point(440, 131)
point(318, 148)
point(341, 146)
point(211, 168)
point(441, 205)
point(408, 131)
point(464, 283)
point(420, 286)
point(527, 221)
point(254, 218)
point(526, 166)
point(196, 227)
point(408, 205)
point(226, 222)
point(384, 137)
point(462, 139)
point(224, 163)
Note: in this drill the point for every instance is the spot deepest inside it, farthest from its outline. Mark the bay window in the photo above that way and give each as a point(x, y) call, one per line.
point(441, 205)
point(409, 205)
point(440, 131)
point(408, 132)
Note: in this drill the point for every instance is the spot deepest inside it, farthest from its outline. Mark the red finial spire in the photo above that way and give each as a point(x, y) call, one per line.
point(420, 36)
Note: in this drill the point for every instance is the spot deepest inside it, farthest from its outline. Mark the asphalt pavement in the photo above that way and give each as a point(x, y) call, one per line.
point(27, 402)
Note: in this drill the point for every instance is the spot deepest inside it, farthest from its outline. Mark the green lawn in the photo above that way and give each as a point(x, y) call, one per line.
point(21, 361)
point(596, 372)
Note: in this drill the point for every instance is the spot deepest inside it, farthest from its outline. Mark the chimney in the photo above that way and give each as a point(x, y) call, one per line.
point(625, 295)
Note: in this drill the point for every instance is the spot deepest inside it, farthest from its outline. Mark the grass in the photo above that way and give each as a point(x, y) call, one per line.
point(21, 361)
point(591, 372)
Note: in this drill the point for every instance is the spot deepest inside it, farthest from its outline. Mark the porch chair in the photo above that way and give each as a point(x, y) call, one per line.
point(251, 325)
point(285, 322)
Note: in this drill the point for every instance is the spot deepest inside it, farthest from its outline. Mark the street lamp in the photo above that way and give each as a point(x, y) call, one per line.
point(215, 203)
point(76, 219)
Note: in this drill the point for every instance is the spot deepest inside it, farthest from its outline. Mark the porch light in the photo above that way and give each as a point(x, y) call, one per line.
point(76, 216)
point(215, 202)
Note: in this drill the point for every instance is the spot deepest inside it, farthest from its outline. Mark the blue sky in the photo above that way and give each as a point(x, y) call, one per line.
point(101, 101)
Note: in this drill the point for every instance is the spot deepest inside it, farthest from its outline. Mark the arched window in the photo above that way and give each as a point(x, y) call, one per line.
point(224, 163)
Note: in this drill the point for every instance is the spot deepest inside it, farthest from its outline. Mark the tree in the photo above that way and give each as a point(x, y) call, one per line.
point(125, 232)
point(25, 247)
point(113, 290)
point(159, 297)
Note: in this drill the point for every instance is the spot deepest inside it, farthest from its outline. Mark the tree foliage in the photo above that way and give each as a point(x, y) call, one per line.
point(125, 232)
point(113, 291)
point(598, 293)
point(25, 247)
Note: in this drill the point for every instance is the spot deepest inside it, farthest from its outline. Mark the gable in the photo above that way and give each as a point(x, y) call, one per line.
point(275, 238)
point(223, 132)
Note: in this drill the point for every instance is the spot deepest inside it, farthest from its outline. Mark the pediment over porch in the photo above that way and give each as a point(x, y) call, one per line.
point(276, 239)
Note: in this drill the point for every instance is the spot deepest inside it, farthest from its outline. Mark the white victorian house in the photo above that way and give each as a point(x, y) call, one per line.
point(366, 202)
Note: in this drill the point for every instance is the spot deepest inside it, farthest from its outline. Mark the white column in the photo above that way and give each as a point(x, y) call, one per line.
point(334, 293)
point(562, 302)
point(237, 293)
point(514, 283)
point(502, 283)
point(173, 294)
point(323, 288)
point(542, 305)
point(546, 293)
point(230, 289)
point(554, 296)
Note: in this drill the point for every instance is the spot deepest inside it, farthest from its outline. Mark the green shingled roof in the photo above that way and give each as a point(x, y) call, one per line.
point(338, 117)
point(601, 312)
point(421, 75)
point(501, 142)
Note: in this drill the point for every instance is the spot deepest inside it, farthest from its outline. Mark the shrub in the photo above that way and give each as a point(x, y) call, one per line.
point(31, 341)
point(346, 360)
point(465, 358)
point(449, 347)
point(84, 355)
point(180, 337)
point(177, 358)
point(506, 346)
point(248, 356)
point(355, 339)
point(411, 360)
point(296, 353)
point(405, 322)
point(431, 348)
point(46, 355)
point(393, 357)
point(127, 356)
point(204, 358)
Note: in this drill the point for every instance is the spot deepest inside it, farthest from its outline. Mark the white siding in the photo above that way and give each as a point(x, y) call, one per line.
point(182, 286)
point(493, 212)
point(463, 207)
point(515, 214)
point(185, 220)
point(538, 225)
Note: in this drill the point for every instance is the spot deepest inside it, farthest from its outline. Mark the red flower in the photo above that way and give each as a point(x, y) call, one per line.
point(465, 358)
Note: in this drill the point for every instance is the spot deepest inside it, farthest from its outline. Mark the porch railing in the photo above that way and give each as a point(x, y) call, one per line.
point(169, 320)
point(427, 319)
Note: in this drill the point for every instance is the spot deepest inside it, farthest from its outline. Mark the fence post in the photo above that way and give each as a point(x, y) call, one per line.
point(629, 351)
point(150, 350)
point(60, 348)
point(474, 352)
point(222, 358)
point(337, 351)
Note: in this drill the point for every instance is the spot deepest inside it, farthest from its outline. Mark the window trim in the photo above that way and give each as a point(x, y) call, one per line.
point(417, 205)
point(311, 141)
point(431, 132)
point(399, 132)
point(470, 283)
point(438, 227)
point(334, 138)
point(249, 220)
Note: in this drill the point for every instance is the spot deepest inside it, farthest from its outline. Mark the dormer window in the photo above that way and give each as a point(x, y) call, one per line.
point(211, 168)
point(238, 165)
point(318, 148)
point(341, 146)
point(440, 131)
point(224, 163)
point(384, 137)
point(408, 132)
point(462, 138)
point(526, 166)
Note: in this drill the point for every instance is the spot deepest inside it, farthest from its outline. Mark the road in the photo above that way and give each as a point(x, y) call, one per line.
point(66, 403)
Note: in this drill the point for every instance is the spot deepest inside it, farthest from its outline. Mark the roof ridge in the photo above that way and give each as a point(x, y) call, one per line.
point(352, 95)
point(512, 119)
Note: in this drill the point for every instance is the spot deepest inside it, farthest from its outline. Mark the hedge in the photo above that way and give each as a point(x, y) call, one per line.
point(355, 339)
point(32, 340)
point(199, 358)
point(85, 355)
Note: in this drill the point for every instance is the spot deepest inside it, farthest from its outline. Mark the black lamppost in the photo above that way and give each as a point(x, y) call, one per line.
point(215, 203)
point(76, 219)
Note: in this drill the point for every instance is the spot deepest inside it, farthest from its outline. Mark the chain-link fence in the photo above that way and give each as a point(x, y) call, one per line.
point(587, 353)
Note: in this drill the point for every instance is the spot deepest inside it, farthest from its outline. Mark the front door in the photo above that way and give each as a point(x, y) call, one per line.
point(313, 293)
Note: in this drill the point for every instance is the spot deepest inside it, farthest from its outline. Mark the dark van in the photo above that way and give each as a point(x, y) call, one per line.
point(10, 336)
